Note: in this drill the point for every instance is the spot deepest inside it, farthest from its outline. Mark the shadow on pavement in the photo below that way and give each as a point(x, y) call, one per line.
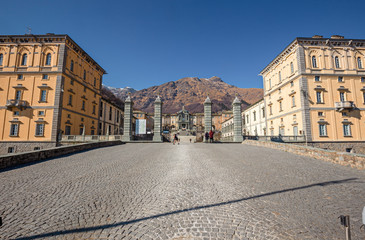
point(87, 229)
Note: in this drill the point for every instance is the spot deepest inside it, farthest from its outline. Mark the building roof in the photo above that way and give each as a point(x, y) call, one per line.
point(50, 38)
point(316, 40)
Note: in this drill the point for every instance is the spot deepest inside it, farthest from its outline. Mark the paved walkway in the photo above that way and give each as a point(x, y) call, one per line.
point(186, 191)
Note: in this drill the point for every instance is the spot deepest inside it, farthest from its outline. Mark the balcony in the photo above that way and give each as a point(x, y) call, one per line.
point(341, 106)
point(13, 103)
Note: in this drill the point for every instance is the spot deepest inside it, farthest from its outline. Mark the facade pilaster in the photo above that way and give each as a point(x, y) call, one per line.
point(128, 115)
point(157, 137)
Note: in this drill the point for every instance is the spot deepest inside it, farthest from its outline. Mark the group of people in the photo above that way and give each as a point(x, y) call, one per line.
point(176, 140)
point(209, 136)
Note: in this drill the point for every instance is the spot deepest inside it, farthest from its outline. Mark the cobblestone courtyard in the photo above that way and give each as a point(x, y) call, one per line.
point(190, 191)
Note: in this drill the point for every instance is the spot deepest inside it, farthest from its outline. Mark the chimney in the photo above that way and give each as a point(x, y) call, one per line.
point(337, 37)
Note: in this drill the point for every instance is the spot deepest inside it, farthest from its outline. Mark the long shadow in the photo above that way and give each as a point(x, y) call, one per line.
point(87, 229)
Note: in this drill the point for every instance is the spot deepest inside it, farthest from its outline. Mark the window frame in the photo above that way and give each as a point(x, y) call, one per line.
point(14, 132)
point(39, 129)
point(48, 59)
point(323, 127)
point(24, 60)
point(337, 62)
point(359, 63)
point(43, 95)
point(1, 59)
point(346, 130)
point(314, 62)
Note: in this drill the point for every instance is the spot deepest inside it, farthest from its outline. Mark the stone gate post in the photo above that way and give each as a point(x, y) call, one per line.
point(237, 121)
point(157, 137)
point(128, 116)
point(207, 115)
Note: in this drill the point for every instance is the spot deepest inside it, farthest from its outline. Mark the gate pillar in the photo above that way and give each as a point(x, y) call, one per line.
point(128, 116)
point(237, 121)
point(157, 129)
point(207, 116)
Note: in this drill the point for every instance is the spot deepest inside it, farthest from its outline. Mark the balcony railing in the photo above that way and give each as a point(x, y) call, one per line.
point(16, 103)
point(299, 138)
point(340, 106)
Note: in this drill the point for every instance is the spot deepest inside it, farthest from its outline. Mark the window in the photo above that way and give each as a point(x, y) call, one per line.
point(337, 62)
point(72, 82)
point(39, 129)
point(342, 97)
point(270, 110)
point(314, 61)
point(247, 119)
point(11, 150)
point(293, 101)
point(279, 90)
point(20, 76)
point(48, 59)
point(72, 66)
point(94, 82)
point(344, 114)
point(41, 113)
point(43, 97)
point(320, 114)
point(24, 59)
point(291, 83)
point(37, 148)
point(317, 79)
point(94, 109)
point(67, 130)
point(70, 100)
point(110, 113)
point(1, 59)
point(117, 116)
point(322, 130)
point(84, 74)
point(363, 96)
point(18, 95)
point(81, 131)
point(254, 116)
point(92, 132)
point(45, 76)
point(359, 63)
point(84, 89)
point(110, 129)
point(270, 83)
point(362, 79)
point(83, 105)
point(16, 113)
point(340, 79)
point(291, 67)
point(68, 115)
point(279, 76)
point(14, 129)
point(346, 130)
point(263, 112)
point(319, 97)
point(281, 106)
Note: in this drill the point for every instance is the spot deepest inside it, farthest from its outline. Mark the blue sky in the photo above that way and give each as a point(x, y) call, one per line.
point(142, 43)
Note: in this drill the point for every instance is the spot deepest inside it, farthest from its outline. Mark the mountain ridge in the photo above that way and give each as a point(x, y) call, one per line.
point(190, 92)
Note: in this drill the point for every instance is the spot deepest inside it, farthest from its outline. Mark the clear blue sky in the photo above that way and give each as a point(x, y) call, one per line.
point(142, 43)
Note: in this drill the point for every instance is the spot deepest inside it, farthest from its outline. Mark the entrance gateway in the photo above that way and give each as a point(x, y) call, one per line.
point(186, 125)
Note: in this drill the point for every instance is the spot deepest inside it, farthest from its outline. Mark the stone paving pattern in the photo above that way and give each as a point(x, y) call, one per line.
point(186, 191)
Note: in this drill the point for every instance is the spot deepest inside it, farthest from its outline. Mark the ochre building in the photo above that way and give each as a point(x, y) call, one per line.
point(49, 86)
point(316, 87)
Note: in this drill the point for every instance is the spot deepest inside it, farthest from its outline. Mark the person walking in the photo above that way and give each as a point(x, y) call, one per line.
point(206, 137)
point(211, 134)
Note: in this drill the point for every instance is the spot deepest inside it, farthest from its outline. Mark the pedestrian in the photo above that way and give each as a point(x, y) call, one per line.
point(190, 140)
point(211, 134)
point(206, 136)
point(176, 139)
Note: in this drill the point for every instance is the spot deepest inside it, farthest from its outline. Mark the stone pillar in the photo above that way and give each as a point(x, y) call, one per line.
point(128, 116)
point(207, 115)
point(237, 121)
point(157, 137)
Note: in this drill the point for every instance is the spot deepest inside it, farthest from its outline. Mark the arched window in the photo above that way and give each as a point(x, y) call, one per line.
point(291, 67)
point(359, 63)
point(48, 59)
point(1, 59)
point(84, 75)
point(72, 66)
point(337, 62)
point(24, 59)
point(314, 61)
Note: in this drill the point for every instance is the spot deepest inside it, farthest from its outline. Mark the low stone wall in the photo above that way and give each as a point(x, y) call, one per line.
point(353, 147)
point(27, 146)
point(342, 158)
point(12, 160)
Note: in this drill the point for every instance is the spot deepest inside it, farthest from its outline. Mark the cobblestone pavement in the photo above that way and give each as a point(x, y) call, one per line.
point(186, 191)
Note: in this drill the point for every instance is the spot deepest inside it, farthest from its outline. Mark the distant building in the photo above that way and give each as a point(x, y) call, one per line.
point(227, 130)
point(110, 119)
point(254, 121)
point(49, 86)
point(316, 87)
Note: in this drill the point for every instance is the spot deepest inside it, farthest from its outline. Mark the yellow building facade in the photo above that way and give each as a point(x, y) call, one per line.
point(316, 88)
point(49, 86)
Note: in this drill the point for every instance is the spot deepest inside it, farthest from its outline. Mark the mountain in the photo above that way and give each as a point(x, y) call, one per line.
point(120, 92)
point(191, 93)
point(108, 95)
